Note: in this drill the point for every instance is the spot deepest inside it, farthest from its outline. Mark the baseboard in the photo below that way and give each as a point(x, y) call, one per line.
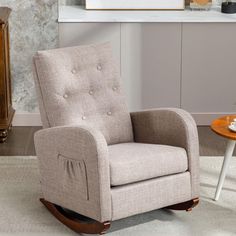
point(27, 119)
point(33, 119)
point(207, 118)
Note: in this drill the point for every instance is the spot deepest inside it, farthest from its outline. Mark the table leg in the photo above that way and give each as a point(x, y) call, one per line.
point(228, 155)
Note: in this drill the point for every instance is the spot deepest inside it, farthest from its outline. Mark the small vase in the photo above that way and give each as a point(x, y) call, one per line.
point(200, 4)
point(228, 7)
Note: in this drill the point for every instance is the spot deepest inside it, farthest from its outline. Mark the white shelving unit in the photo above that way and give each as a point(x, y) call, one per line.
point(79, 14)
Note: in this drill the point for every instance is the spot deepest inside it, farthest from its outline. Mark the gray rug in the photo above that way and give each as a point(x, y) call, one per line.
point(22, 214)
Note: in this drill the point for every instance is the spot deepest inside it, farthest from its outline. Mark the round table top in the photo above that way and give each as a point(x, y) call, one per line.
point(220, 126)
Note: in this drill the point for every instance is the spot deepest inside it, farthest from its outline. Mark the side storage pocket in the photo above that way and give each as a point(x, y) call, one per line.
point(72, 175)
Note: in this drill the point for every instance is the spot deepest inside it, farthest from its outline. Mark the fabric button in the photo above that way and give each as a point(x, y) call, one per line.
point(73, 71)
point(109, 113)
point(91, 92)
point(83, 117)
point(114, 88)
point(99, 67)
point(65, 96)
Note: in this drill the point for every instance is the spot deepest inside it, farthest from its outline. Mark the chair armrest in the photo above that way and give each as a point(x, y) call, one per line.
point(170, 126)
point(74, 169)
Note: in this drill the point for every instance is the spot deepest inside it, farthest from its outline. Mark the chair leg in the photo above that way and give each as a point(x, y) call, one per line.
point(187, 206)
point(75, 224)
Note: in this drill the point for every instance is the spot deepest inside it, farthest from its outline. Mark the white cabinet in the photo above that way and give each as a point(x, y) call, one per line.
point(209, 67)
point(187, 65)
point(150, 56)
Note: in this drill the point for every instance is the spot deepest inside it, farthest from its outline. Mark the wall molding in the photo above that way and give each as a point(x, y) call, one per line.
point(33, 119)
point(207, 118)
point(27, 119)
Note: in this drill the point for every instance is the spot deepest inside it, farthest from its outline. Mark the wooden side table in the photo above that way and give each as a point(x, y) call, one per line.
point(220, 126)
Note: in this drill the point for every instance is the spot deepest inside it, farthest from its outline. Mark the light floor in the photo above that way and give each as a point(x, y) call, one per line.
point(23, 214)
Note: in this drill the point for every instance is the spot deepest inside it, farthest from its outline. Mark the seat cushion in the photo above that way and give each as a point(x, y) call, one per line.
point(133, 162)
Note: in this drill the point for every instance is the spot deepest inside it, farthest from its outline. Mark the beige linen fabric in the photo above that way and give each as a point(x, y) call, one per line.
point(81, 86)
point(148, 195)
point(170, 126)
point(133, 162)
point(43, 115)
point(74, 170)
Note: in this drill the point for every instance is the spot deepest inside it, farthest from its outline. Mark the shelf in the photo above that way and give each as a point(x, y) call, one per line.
point(72, 14)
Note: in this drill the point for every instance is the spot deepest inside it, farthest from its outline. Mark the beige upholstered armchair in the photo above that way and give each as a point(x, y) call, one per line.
point(98, 160)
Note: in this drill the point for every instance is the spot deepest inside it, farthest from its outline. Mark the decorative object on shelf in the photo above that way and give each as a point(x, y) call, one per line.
point(6, 110)
point(200, 4)
point(135, 5)
point(187, 2)
point(232, 126)
point(228, 6)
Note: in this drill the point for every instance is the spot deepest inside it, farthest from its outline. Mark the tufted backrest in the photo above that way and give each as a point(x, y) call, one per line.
point(81, 86)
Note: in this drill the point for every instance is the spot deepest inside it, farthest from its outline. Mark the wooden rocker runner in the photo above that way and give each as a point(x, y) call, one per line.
point(86, 225)
point(89, 226)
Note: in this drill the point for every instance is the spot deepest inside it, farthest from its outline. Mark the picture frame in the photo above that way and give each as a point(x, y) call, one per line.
point(135, 4)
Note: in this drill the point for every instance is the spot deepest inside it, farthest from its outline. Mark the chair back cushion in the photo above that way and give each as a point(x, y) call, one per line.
point(81, 86)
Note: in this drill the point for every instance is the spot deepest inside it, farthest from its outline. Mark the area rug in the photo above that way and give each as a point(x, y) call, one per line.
point(21, 213)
